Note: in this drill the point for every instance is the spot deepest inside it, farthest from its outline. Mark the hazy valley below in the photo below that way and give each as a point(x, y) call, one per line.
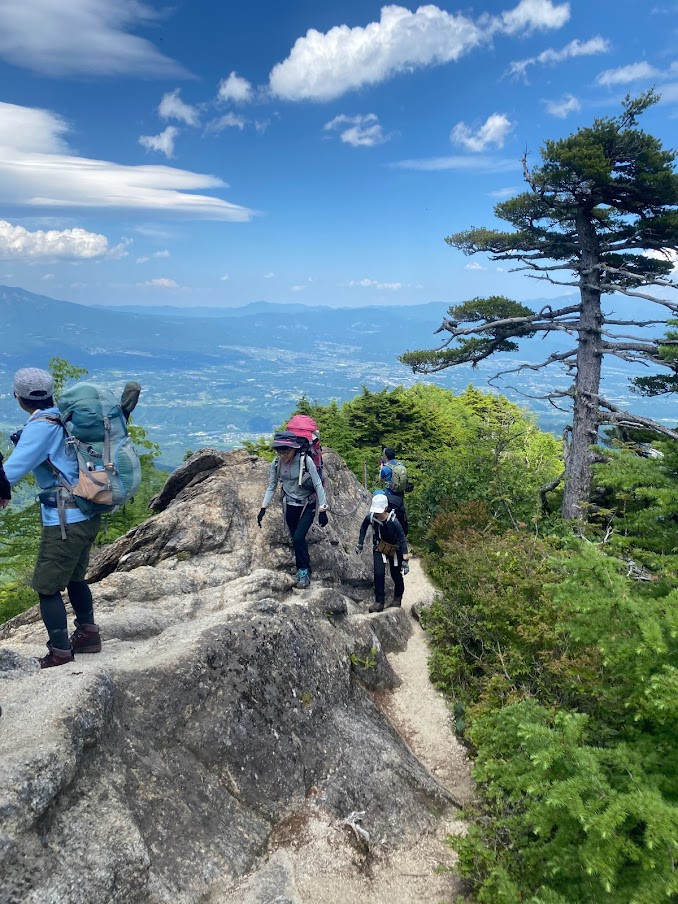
point(218, 377)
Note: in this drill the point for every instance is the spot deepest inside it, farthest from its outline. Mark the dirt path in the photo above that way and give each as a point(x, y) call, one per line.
point(317, 863)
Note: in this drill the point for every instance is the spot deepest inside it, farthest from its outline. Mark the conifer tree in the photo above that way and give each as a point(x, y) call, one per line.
point(602, 206)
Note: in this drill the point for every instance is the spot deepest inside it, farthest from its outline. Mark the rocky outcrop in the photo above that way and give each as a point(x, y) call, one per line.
point(225, 711)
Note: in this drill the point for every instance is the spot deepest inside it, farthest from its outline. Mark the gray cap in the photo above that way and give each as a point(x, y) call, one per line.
point(33, 384)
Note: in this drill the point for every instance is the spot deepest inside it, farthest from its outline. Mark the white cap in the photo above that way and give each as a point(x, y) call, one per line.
point(379, 503)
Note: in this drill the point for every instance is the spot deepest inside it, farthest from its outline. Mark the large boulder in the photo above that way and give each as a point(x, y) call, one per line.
point(223, 703)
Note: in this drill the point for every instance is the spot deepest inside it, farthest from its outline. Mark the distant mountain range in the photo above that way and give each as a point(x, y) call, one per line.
point(220, 376)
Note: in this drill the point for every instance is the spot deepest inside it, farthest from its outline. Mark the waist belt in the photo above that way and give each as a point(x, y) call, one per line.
point(60, 499)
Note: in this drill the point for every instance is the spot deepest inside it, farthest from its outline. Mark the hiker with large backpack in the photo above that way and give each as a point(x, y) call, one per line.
point(83, 464)
point(389, 546)
point(295, 469)
point(395, 483)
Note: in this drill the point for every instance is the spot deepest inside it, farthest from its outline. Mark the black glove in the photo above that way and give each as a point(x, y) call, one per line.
point(322, 519)
point(260, 516)
point(5, 488)
point(405, 568)
point(358, 548)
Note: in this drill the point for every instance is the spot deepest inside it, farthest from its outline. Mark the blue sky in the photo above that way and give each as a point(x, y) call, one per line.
point(206, 153)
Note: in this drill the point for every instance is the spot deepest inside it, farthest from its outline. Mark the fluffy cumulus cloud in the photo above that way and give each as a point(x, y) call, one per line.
point(51, 244)
point(474, 266)
point(163, 143)
point(81, 36)
point(323, 66)
point(563, 107)
point(38, 172)
point(235, 89)
point(624, 75)
point(173, 107)
point(552, 56)
point(363, 131)
point(491, 133)
point(534, 15)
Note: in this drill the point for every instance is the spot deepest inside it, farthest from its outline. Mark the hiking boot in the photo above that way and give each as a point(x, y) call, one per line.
point(397, 601)
point(303, 579)
point(55, 657)
point(376, 607)
point(85, 638)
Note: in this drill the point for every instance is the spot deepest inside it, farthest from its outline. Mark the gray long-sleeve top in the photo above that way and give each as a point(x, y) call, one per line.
point(288, 474)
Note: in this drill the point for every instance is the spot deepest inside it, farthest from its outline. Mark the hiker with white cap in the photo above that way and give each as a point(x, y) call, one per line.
point(389, 544)
point(302, 491)
point(63, 555)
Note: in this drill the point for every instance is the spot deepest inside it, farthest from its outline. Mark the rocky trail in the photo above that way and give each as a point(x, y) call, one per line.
point(236, 741)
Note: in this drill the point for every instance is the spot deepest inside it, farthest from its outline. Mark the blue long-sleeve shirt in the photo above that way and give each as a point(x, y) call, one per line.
point(42, 440)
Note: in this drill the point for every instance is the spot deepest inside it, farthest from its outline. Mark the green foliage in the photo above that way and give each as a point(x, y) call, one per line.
point(474, 446)
point(564, 673)
point(62, 371)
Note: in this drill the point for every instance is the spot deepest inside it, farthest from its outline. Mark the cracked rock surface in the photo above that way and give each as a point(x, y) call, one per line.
point(228, 722)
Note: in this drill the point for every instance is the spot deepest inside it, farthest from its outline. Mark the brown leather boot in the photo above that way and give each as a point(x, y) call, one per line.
point(55, 657)
point(85, 638)
point(397, 601)
point(376, 607)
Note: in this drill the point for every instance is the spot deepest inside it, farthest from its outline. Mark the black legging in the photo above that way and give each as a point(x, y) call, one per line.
point(299, 520)
point(380, 577)
point(53, 612)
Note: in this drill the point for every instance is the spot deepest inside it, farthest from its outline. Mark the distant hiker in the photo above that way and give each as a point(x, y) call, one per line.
point(70, 522)
point(302, 490)
point(393, 475)
point(389, 544)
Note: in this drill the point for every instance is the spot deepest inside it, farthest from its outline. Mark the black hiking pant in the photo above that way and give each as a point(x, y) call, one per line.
point(380, 577)
point(299, 519)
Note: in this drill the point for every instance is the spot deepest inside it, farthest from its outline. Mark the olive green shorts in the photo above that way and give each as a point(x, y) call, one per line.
point(61, 561)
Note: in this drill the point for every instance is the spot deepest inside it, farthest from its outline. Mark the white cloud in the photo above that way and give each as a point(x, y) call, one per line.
point(363, 130)
point(160, 283)
point(323, 66)
point(492, 133)
point(575, 48)
point(67, 244)
point(374, 284)
point(164, 142)
point(48, 276)
point(36, 171)
point(624, 74)
point(533, 15)
point(156, 254)
point(474, 266)
point(504, 192)
point(173, 107)
point(563, 107)
point(227, 121)
point(269, 276)
point(225, 277)
point(235, 88)
point(27, 129)
point(458, 162)
point(297, 288)
point(81, 36)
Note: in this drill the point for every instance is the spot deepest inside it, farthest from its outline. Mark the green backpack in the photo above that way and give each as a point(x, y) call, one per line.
point(398, 482)
point(108, 464)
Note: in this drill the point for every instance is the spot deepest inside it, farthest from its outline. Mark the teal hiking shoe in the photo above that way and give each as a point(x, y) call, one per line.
point(303, 579)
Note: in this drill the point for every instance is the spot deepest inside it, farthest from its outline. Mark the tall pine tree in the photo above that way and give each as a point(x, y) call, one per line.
point(602, 206)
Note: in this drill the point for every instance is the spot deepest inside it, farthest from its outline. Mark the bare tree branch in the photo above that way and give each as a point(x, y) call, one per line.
point(625, 419)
